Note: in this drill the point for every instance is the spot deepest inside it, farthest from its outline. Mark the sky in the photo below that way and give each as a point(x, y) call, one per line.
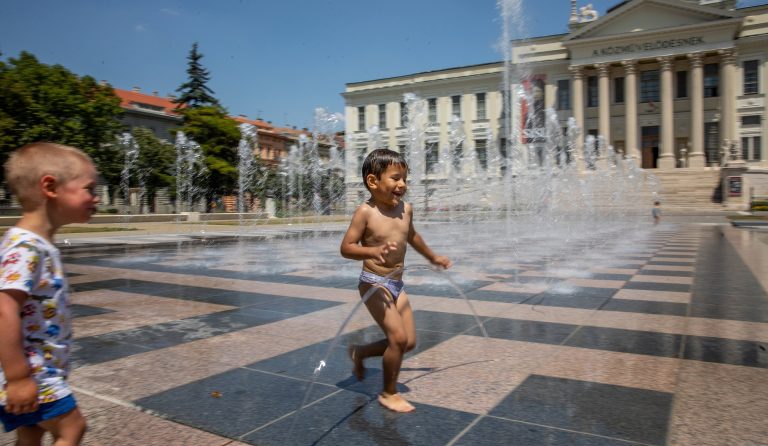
point(273, 60)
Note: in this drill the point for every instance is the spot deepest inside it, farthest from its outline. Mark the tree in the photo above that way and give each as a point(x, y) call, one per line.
point(218, 136)
point(156, 162)
point(41, 102)
point(195, 93)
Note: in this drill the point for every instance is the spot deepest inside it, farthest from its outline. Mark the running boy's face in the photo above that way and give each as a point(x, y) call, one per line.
point(76, 199)
point(390, 188)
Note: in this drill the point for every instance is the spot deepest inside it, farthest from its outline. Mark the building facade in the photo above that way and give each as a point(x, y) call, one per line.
point(674, 84)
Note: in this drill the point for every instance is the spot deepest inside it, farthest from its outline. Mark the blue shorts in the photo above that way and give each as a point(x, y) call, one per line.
point(395, 287)
point(44, 412)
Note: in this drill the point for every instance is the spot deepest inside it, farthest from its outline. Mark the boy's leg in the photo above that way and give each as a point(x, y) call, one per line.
point(358, 353)
point(29, 435)
point(386, 314)
point(67, 429)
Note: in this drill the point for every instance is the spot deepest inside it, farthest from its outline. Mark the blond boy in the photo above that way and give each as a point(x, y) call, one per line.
point(55, 186)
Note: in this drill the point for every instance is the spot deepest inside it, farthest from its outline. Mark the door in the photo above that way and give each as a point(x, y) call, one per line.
point(650, 146)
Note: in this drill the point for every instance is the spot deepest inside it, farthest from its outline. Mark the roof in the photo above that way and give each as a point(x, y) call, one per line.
point(130, 99)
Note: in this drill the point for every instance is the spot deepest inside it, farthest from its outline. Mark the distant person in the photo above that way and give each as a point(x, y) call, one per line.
point(55, 186)
point(656, 212)
point(379, 233)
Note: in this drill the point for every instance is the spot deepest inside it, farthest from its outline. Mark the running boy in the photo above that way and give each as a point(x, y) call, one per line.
point(55, 186)
point(378, 235)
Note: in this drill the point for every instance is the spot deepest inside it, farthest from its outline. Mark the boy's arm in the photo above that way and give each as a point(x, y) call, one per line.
point(418, 243)
point(21, 388)
point(350, 244)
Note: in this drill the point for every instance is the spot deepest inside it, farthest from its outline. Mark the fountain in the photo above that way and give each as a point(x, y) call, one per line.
point(525, 220)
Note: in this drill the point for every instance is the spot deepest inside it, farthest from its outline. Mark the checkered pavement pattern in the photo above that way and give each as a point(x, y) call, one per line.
point(652, 341)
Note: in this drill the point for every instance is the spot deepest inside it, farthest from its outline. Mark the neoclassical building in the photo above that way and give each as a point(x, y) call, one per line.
point(679, 85)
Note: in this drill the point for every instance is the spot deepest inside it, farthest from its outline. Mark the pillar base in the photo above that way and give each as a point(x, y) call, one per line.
point(666, 162)
point(697, 160)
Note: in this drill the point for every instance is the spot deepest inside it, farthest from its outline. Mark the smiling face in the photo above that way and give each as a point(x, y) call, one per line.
point(76, 199)
point(389, 189)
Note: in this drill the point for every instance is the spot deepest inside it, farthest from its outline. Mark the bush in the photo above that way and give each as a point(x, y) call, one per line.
point(759, 208)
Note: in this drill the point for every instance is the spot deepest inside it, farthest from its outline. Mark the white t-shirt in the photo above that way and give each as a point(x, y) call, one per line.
point(31, 264)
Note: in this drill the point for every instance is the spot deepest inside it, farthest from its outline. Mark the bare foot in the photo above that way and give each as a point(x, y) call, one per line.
point(358, 368)
point(395, 402)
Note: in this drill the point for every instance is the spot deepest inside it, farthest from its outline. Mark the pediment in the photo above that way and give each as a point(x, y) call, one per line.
point(639, 16)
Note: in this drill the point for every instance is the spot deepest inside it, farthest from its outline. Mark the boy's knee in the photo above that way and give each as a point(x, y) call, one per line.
point(410, 345)
point(399, 342)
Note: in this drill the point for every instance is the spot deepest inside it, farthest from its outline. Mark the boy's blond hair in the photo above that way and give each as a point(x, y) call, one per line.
point(28, 164)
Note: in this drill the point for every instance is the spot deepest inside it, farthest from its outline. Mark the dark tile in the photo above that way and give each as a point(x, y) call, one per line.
point(294, 305)
point(95, 350)
point(654, 272)
point(567, 300)
point(671, 262)
point(491, 431)
point(654, 286)
point(627, 341)
point(642, 306)
point(352, 419)
point(726, 351)
point(499, 296)
point(605, 276)
point(167, 334)
point(234, 403)
point(522, 330)
point(612, 411)
point(444, 322)
point(305, 364)
point(731, 312)
point(79, 310)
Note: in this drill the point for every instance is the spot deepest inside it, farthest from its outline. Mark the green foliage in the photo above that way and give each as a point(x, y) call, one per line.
point(41, 102)
point(218, 136)
point(195, 93)
point(156, 160)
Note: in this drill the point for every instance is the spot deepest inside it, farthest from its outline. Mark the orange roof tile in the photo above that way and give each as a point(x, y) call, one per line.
point(129, 98)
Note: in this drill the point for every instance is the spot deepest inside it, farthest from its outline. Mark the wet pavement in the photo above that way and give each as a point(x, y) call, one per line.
point(192, 338)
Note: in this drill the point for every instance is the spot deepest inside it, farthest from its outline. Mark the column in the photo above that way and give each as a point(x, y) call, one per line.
point(728, 99)
point(604, 103)
point(632, 147)
point(667, 150)
point(577, 99)
point(696, 157)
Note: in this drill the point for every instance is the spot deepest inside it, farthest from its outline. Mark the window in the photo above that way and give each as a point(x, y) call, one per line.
point(618, 90)
point(430, 156)
point(682, 84)
point(750, 120)
point(563, 94)
point(360, 119)
point(751, 77)
point(750, 148)
point(481, 114)
point(458, 153)
point(403, 114)
point(456, 106)
point(711, 80)
point(401, 149)
point(592, 91)
point(382, 116)
point(432, 105)
point(649, 86)
point(482, 153)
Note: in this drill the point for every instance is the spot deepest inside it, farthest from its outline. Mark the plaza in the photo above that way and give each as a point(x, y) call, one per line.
point(186, 336)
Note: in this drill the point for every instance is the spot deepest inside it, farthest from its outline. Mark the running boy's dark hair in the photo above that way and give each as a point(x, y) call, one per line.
point(377, 162)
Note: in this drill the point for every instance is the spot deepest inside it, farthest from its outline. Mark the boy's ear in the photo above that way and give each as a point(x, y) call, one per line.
point(371, 181)
point(48, 186)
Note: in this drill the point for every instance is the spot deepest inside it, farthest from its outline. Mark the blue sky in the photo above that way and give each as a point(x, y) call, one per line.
point(277, 60)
